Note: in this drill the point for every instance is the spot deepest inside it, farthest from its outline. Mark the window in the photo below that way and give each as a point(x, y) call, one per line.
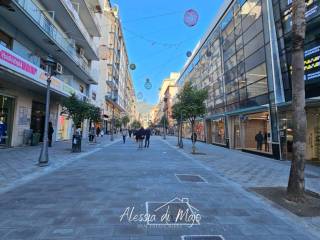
point(5, 40)
point(255, 59)
point(257, 88)
point(254, 45)
point(251, 15)
point(256, 73)
point(252, 31)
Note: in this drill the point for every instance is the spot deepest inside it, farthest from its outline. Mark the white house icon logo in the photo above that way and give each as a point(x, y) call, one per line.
point(176, 212)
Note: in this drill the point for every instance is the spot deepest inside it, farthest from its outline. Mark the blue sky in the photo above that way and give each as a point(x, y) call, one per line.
point(157, 38)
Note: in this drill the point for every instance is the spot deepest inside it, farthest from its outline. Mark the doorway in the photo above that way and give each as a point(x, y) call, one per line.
point(6, 120)
point(38, 118)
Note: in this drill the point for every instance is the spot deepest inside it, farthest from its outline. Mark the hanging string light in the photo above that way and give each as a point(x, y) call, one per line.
point(148, 84)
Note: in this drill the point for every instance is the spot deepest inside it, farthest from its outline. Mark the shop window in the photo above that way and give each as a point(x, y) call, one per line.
point(256, 132)
point(256, 73)
point(257, 88)
point(5, 40)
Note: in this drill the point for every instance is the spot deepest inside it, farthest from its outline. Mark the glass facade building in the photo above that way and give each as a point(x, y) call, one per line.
point(244, 62)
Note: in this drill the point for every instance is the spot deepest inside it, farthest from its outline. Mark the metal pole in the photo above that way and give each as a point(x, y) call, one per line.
point(181, 142)
point(112, 123)
point(44, 157)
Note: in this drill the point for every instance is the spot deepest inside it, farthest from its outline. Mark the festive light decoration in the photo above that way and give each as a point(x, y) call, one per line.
point(148, 84)
point(132, 66)
point(189, 54)
point(191, 17)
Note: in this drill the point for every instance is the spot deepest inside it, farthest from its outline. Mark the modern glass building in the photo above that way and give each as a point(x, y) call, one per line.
point(244, 62)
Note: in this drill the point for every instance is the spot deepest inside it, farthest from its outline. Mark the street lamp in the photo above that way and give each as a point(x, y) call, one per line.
point(165, 99)
point(181, 119)
point(44, 156)
point(112, 121)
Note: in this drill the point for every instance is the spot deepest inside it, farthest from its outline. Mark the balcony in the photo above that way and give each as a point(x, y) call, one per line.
point(88, 18)
point(29, 19)
point(68, 18)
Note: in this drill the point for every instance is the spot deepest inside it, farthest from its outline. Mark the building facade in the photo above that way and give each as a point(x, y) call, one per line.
point(167, 94)
point(244, 62)
point(30, 32)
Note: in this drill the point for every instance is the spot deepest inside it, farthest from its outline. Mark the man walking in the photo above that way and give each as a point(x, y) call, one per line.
point(147, 141)
point(124, 135)
point(140, 136)
point(259, 140)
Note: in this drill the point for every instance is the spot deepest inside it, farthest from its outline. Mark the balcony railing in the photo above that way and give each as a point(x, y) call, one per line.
point(80, 24)
point(35, 13)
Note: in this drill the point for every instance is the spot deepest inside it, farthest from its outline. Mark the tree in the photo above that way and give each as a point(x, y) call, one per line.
point(178, 115)
point(76, 109)
point(164, 121)
point(94, 113)
point(135, 124)
point(125, 120)
point(192, 104)
point(296, 184)
point(117, 122)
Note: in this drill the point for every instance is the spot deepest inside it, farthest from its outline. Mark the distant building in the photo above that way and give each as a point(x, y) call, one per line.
point(144, 110)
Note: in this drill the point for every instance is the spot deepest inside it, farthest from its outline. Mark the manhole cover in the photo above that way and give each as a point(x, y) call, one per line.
point(189, 178)
point(202, 237)
point(308, 175)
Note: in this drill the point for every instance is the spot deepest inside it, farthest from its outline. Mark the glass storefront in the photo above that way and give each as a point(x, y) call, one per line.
point(6, 120)
point(312, 138)
point(218, 131)
point(38, 118)
point(255, 132)
point(64, 128)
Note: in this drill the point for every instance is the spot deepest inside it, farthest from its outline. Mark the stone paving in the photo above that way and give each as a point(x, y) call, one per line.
point(18, 165)
point(250, 170)
point(85, 199)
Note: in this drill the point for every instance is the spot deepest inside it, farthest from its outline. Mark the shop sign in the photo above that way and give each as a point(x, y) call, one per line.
point(312, 63)
point(16, 63)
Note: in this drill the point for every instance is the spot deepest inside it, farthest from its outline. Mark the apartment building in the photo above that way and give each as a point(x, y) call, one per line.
point(244, 61)
point(30, 32)
point(119, 91)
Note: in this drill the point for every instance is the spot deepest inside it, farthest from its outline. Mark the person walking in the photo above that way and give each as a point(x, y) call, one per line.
point(124, 135)
point(147, 140)
point(259, 140)
point(140, 136)
point(130, 133)
point(98, 131)
point(50, 134)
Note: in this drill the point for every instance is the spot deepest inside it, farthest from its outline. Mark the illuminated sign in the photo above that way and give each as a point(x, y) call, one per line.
point(312, 63)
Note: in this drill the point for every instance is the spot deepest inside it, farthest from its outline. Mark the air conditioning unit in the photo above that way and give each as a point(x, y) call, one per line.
point(59, 68)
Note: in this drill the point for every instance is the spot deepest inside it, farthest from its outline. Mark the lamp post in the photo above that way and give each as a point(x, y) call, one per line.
point(44, 156)
point(165, 99)
point(181, 119)
point(112, 123)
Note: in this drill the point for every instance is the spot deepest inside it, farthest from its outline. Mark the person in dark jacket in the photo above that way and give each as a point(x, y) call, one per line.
point(147, 134)
point(140, 136)
point(259, 140)
point(50, 134)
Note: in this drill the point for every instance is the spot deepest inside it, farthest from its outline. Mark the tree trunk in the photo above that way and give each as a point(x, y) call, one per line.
point(193, 138)
point(296, 184)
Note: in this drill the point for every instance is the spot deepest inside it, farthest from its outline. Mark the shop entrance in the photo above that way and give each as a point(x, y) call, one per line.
point(6, 120)
point(218, 131)
point(256, 132)
point(38, 118)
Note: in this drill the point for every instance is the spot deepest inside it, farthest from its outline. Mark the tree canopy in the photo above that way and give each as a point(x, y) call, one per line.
point(80, 110)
